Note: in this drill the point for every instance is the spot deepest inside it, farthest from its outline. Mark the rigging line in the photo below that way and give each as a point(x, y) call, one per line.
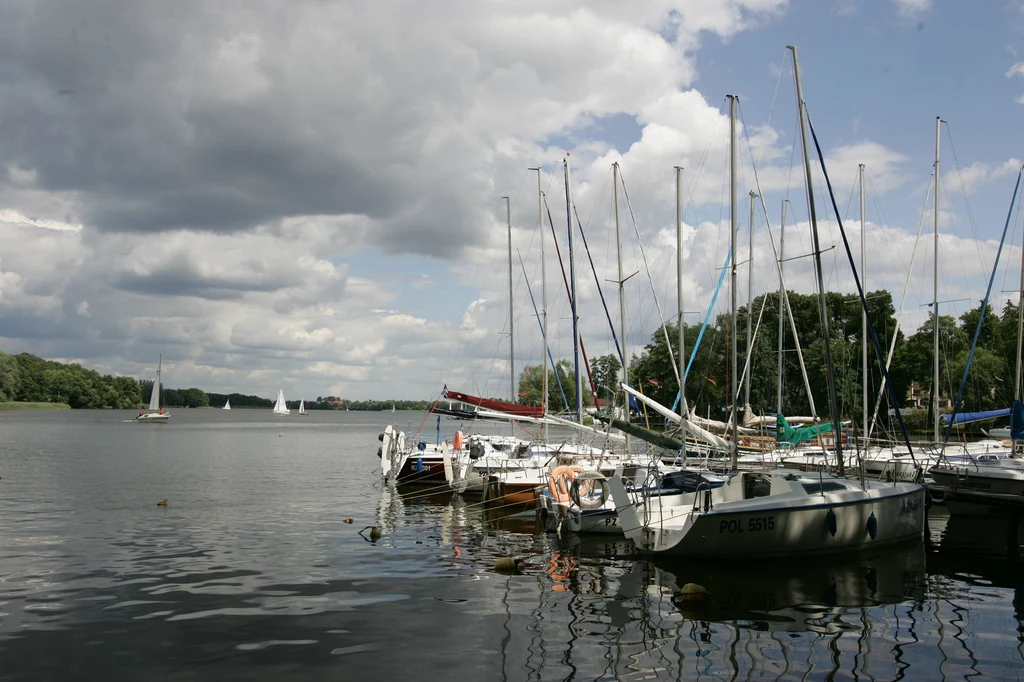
point(778, 82)
point(963, 186)
point(600, 292)
point(860, 289)
point(654, 294)
point(984, 305)
point(945, 270)
point(792, 156)
point(778, 267)
point(707, 150)
point(568, 293)
point(597, 202)
point(853, 193)
point(543, 335)
point(746, 365)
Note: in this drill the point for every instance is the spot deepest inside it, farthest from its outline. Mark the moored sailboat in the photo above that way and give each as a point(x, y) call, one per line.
point(991, 483)
point(776, 513)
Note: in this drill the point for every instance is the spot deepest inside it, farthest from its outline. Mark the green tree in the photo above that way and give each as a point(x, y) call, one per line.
point(194, 397)
point(913, 359)
point(983, 381)
point(605, 371)
point(10, 377)
point(531, 388)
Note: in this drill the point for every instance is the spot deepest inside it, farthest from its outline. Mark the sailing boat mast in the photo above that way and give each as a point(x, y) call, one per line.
point(863, 313)
point(1020, 348)
point(684, 409)
point(782, 308)
point(159, 369)
point(572, 295)
point(734, 389)
point(622, 294)
point(511, 337)
point(543, 305)
point(830, 371)
point(935, 295)
point(750, 304)
point(1020, 329)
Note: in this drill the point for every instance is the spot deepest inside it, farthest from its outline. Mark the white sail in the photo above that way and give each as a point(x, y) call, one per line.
point(154, 397)
point(280, 407)
point(227, 404)
point(154, 414)
point(302, 407)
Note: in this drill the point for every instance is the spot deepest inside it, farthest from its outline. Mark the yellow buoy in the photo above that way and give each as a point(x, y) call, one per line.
point(693, 592)
point(375, 533)
point(505, 564)
point(279, 435)
point(349, 520)
point(162, 503)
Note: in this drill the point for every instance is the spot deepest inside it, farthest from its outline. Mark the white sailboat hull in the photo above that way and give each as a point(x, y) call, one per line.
point(796, 531)
point(153, 418)
point(721, 523)
point(980, 489)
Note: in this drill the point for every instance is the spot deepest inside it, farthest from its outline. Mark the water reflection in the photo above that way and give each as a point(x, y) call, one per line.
point(254, 572)
point(797, 596)
point(600, 612)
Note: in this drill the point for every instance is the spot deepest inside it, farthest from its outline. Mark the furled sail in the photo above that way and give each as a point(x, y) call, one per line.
point(496, 405)
point(795, 436)
point(971, 417)
point(652, 437)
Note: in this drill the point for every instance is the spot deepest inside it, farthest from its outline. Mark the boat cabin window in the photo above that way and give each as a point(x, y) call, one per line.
point(823, 487)
point(756, 485)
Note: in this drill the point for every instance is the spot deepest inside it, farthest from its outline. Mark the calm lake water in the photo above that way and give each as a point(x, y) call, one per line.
point(251, 572)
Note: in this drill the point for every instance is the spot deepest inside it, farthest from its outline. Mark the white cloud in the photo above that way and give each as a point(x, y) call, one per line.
point(1016, 70)
point(912, 8)
point(979, 173)
point(268, 195)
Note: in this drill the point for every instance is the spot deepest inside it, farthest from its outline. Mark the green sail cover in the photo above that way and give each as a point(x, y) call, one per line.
point(653, 437)
point(787, 434)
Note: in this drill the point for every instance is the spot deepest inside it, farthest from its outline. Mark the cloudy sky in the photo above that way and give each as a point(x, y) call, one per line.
point(307, 195)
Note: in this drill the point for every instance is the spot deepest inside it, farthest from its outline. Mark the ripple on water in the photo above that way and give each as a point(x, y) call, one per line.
point(251, 572)
point(256, 646)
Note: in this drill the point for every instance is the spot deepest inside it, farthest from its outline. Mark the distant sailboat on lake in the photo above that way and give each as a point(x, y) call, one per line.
point(156, 414)
point(227, 404)
point(302, 408)
point(281, 407)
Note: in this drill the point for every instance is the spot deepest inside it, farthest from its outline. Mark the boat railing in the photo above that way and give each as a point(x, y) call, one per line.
point(891, 472)
point(506, 465)
point(702, 502)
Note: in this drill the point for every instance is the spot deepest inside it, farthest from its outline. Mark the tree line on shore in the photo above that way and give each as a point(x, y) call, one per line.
point(990, 383)
point(27, 378)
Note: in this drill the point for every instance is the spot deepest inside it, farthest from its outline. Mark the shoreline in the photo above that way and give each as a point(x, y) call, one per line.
point(14, 405)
